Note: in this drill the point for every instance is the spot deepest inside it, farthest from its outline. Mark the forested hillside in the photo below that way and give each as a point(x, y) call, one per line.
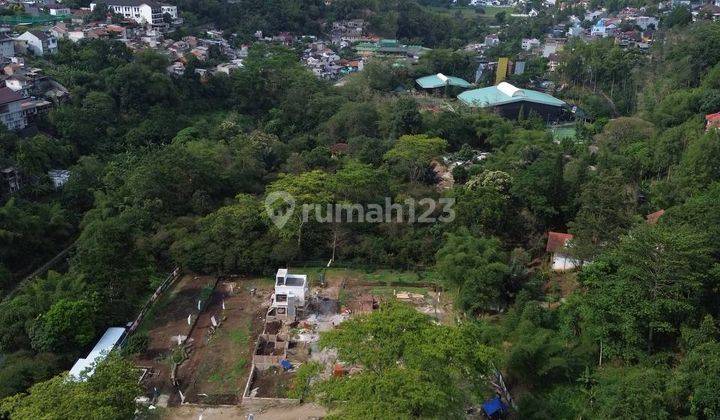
point(171, 171)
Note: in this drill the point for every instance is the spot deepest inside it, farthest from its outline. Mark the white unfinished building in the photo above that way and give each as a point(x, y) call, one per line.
point(290, 298)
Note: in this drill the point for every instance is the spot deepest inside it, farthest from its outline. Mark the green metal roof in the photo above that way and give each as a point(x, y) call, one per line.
point(505, 93)
point(388, 43)
point(439, 80)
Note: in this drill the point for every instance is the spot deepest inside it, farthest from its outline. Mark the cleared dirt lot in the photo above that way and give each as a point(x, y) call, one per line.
point(218, 355)
point(168, 318)
point(218, 364)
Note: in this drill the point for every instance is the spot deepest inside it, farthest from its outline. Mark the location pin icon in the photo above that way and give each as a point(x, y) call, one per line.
point(279, 206)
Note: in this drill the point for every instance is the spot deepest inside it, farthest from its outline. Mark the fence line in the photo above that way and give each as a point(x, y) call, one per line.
point(357, 265)
point(169, 280)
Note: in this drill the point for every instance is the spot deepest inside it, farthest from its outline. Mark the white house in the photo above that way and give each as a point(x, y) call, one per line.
point(11, 112)
point(141, 11)
point(18, 83)
point(39, 43)
point(492, 40)
point(75, 36)
point(557, 246)
point(605, 27)
point(58, 10)
point(529, 43)
point(575, 30)
point(645, 21)
point(169, 9)
point(291, 291)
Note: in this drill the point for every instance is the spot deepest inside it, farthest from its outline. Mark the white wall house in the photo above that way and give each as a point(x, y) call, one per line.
point(11, 113)
point(291, 291)
point(646, 21)
point(18, 83)
point(58, 10)
point(560, 258)
point(529, 43)
point(141, 11)
point(39, 43)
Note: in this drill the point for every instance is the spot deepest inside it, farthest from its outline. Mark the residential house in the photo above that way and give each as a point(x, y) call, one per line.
point(59, 31)
point(290, 297)
point(176, 69)
point(644, 22)
point(558, 247)
point(605, 27)
point(11, 113)
point(201, 52)
point(712, 121)
point(574, 31)
point(13, 68)
point(141, 11)
point(38, 42)
point(58, 10)
point(528, 44)
point(76, 36)
point(59, 177)
point(595, 14)
point(492, 40)
point(19, 83)
point(230, 67)
point(10, 181)
point(552, 46)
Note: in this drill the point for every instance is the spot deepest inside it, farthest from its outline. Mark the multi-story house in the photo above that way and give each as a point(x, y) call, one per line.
point(11, 112)
point(141, 11)
point(38, 42)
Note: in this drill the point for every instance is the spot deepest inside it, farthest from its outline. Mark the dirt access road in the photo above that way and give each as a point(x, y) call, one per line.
point(298, 412)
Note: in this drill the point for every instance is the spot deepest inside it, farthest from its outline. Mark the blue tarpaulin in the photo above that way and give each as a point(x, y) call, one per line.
point(494, 406)
point(286, 364)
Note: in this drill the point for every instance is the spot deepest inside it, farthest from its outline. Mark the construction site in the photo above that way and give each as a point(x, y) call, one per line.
point(233, 341)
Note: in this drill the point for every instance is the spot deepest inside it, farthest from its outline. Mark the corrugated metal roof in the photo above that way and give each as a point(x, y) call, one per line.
point(103, 347)
point(493, 96)
point(439, 80)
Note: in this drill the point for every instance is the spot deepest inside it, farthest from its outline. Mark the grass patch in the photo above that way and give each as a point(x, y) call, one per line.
point(561, 132)
point(381, 276)
point(387, 291)
point(239, 336)
point(225, 376)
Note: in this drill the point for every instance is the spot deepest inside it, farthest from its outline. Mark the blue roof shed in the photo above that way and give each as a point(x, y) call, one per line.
point(494, 407)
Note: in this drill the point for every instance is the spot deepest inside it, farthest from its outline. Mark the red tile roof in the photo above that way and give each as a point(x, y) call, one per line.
point(557, 241)
point(653, 218)
point(8, 95)
point(713, 117)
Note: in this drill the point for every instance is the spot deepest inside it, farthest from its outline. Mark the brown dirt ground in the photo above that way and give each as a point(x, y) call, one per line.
point(354, 293)
point(170, 319)
point(273, 383)
point(563, 283)
point(218, 366)
point(296, 412)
